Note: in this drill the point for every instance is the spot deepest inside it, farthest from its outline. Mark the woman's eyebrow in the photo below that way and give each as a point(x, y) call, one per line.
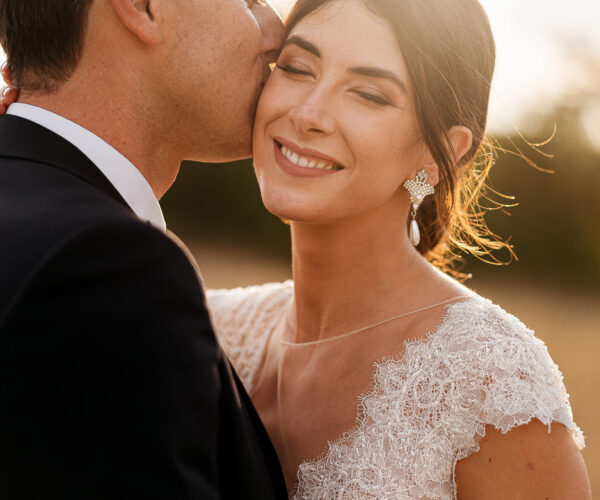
point(303, 44)
point(379, 73)
point(359, 70)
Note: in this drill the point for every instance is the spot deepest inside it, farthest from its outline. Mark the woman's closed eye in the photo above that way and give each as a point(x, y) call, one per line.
point(294, 70)
point(375, 97)
point(301, 71)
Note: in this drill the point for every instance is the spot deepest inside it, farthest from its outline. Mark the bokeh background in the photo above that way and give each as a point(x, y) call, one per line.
point(547, 85)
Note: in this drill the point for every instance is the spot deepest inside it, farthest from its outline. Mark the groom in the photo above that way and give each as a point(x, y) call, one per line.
point(112, 383)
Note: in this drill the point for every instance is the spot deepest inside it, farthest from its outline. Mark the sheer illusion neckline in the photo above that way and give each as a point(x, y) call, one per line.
point(289, 326)
point(399, 358)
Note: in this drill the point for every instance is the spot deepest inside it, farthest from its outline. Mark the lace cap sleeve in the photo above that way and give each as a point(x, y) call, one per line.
point(243, 319)
point(515, 379)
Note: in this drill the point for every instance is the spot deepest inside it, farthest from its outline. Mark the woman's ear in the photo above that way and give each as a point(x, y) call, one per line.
point(433, 171)
point(461, 140)
point(139, 18)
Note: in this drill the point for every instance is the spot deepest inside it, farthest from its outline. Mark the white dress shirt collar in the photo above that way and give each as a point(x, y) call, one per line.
point(122, 174)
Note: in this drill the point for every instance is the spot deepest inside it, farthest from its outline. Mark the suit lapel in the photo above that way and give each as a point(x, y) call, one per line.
point(24, 139)
point(267, 446)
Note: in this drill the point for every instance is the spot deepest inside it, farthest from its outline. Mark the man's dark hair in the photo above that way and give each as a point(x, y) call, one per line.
point(43, 40)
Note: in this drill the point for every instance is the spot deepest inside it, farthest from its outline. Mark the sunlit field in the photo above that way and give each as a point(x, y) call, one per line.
point(567, 320)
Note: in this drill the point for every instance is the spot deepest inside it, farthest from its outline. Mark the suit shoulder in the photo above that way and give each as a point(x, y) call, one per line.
point(46, 212)
point(128, 242)
point(50, 200)
point(112, 261)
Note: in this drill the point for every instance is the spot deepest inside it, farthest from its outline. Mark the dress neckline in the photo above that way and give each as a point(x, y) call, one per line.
point(400, 358)
point(288, 323)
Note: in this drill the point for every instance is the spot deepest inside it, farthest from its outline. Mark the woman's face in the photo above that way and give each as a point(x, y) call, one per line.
point(336, 133)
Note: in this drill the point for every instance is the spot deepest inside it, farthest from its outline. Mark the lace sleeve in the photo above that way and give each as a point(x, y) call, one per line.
point(430, 407)
point(243, 319)
point(517, 381)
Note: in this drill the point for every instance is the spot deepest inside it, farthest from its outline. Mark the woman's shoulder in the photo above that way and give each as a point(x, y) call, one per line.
point(481, 367)
point(477, 325)
point(475, 337)
point(481, 314)
point(500, 372)
point(242, 303)
point(495, 345)
point(243, 319)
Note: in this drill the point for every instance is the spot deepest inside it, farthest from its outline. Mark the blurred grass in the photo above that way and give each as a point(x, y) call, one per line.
point(566, 318)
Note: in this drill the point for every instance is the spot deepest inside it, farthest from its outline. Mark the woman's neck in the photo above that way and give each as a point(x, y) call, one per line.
point(356, 272)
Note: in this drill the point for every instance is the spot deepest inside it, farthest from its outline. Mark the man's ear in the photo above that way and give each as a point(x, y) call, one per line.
point(139, 18)
point(461, 140)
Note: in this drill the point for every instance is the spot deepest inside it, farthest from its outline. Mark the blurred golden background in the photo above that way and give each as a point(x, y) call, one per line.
point(548, 77)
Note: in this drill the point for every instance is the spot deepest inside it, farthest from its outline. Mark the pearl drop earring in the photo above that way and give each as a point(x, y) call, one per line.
point(418, 189)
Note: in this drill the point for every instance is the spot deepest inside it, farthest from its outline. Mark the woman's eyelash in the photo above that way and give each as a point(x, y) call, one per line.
point(292, 69)
point(375, 98)
point(365, 95)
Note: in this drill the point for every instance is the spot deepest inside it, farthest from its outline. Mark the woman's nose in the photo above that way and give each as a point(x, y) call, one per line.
point(312, 116)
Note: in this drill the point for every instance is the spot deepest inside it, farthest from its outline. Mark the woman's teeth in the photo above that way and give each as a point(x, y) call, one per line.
point(302, 161)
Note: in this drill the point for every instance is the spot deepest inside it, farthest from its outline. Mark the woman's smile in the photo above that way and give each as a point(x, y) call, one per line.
point(303, 162)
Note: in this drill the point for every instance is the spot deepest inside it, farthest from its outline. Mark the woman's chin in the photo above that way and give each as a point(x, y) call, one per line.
point(294, 210)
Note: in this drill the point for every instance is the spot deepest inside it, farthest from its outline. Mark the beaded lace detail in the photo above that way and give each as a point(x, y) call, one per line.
point(429, 405)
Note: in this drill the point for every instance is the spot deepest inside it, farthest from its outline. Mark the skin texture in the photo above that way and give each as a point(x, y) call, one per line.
point(526, 464)
point(349, 233)
point(189, 76)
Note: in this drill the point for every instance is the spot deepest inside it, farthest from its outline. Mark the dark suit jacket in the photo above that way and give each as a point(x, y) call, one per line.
point(112, 385)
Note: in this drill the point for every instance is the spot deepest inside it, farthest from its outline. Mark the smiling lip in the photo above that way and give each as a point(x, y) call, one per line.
point(312, 163)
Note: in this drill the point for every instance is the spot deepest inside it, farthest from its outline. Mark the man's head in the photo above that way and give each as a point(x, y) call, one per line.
point(44, 40)
point(188, 70)
point(215, 67)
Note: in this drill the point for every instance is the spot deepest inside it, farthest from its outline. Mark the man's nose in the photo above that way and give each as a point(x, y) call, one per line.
point(272, 30)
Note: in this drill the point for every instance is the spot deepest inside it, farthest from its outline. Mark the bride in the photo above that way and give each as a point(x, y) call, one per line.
point(376, 374)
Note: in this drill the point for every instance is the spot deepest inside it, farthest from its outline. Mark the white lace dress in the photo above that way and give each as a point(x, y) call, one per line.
point(428, 408)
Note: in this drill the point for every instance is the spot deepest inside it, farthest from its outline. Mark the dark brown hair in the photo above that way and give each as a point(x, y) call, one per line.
point(450, 53)
point(43, 40)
